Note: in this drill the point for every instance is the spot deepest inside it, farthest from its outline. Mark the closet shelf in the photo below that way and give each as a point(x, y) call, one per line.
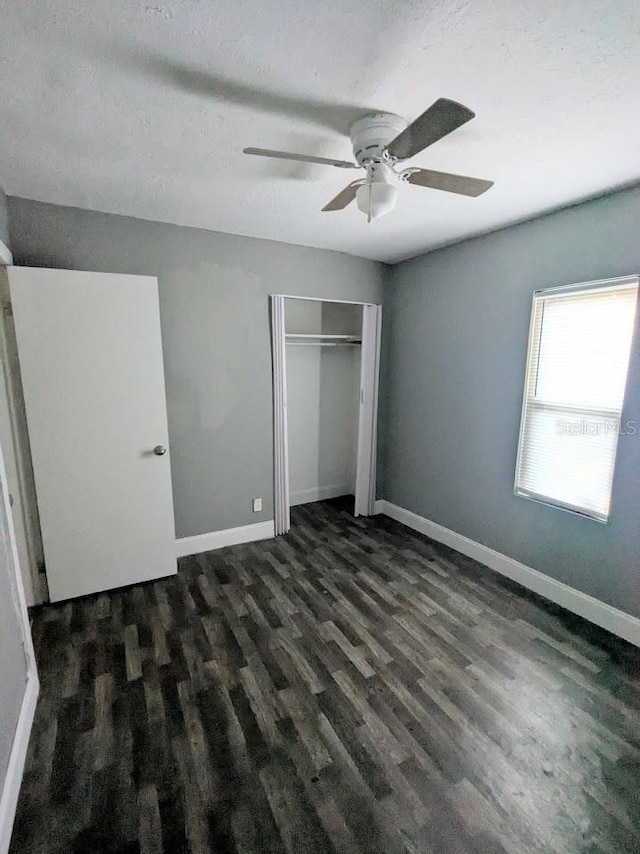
point(351, 343)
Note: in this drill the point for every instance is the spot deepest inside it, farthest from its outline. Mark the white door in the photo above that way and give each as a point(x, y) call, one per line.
point(91, 363)
point(367, 431)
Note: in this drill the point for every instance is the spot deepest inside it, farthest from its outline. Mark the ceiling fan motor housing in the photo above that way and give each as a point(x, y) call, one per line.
point(371, 135)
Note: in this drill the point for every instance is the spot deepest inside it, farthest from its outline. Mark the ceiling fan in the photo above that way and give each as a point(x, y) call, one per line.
point(380, 142)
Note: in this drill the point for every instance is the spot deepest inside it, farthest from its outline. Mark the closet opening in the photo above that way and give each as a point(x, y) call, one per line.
point(325, 363)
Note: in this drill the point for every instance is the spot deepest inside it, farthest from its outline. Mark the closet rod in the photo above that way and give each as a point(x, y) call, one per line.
point(324, 343)
point(323, 335)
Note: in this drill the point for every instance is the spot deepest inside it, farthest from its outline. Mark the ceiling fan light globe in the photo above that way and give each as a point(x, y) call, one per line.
point(377, 199)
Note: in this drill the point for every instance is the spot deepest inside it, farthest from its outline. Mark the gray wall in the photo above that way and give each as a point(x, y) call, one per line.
point(4, 219)
point(456, 329)
point(322, 411)
point(214, 310)
point(323, 402)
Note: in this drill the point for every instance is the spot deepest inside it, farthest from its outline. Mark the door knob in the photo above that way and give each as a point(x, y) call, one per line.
point(159, 450)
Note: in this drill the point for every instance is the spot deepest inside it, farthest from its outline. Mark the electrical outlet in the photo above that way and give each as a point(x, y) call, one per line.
point(257, 505)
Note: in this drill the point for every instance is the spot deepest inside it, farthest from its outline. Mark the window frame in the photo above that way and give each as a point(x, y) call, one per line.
point(533, 354)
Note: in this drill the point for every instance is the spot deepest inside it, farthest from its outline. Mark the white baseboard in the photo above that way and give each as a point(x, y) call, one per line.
point(320, 493)
point(15, 768)
point(229, 537)
point(606, 616)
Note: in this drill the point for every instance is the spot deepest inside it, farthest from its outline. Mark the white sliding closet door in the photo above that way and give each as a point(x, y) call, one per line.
point(282, 516)
point(91, 361)
point(367, 429)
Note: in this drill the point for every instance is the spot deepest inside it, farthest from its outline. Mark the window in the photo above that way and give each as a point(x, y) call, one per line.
point(579, 345)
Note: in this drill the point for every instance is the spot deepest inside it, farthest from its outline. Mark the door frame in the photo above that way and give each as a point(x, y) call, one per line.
point(17, 456)
point(10, 789)
point(6, 257)
point(15, 445)
point(368, 411)
point(17, 757)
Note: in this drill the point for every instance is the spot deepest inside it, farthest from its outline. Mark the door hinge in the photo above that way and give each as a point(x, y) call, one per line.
point(7, 309)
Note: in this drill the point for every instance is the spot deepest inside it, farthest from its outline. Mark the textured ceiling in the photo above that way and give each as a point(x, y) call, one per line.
point(143, 108)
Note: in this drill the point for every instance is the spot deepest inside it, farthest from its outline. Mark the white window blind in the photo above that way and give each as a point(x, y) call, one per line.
point(579, 345)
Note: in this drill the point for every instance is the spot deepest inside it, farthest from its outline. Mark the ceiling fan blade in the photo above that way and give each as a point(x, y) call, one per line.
point(306, 158)
point(442, 117)
point(460, 184)
point(344, 197)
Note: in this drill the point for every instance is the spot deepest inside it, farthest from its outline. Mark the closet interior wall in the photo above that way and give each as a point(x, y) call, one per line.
point(323, 386)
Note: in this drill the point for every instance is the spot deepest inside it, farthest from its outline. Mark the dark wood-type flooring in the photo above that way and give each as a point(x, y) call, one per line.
point(352, 687)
